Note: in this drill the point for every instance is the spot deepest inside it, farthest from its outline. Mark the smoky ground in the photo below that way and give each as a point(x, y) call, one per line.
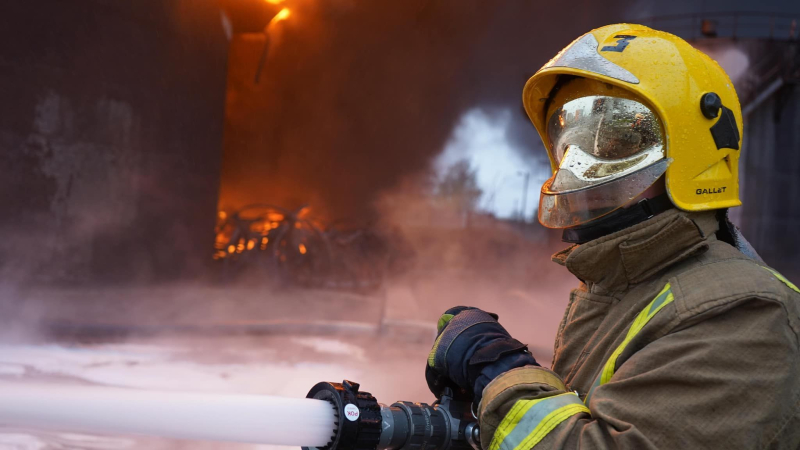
point(252, 335)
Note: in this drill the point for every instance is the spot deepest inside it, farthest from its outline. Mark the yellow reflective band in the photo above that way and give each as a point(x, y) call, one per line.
point(509, 422)
point(551, 421)
point(529, 421)
point(663, 299)
point(783, 279)
point(432, 354)
point(444, 320)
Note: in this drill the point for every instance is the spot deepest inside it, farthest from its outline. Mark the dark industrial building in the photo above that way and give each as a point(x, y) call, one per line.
point(770, 216)
point(110, 137)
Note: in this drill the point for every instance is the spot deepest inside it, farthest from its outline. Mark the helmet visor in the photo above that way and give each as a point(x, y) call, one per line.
point(569, 209)
point(608, 150)
point(608, 128)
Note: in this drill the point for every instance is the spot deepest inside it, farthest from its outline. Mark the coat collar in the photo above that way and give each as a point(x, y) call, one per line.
point(614, 262)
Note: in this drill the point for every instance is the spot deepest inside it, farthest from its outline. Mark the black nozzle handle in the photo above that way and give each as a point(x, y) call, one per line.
point(362, 424)
point(358, 416)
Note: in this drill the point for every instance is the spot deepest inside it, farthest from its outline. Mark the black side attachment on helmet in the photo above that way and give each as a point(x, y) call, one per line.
point(725, 132)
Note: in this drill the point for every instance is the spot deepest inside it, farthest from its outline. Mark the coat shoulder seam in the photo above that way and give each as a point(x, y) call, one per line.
point(685, 313)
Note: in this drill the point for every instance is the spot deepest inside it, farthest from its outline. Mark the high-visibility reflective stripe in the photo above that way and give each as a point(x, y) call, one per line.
point(443, 320)
point(784, 280)
point(432, 354)
point(663, 299)
point(529, 421)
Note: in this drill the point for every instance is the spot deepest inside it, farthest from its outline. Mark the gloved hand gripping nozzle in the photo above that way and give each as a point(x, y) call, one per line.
point(364, 424)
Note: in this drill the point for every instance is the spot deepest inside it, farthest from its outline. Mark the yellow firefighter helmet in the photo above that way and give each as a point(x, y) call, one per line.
point(621, 106)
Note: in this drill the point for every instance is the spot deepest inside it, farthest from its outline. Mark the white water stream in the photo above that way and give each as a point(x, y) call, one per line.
point(258, 419)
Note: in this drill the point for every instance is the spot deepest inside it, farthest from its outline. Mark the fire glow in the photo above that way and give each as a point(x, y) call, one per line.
point(295, 246)
point(282, 15)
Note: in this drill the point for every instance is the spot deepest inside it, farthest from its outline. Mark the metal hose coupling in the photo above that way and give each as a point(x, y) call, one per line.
point(363, 424)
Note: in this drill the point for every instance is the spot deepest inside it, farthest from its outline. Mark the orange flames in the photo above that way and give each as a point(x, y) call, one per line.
point(282, 15)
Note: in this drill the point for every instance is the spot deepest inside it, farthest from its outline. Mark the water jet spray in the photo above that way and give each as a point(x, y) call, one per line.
point(334, 416)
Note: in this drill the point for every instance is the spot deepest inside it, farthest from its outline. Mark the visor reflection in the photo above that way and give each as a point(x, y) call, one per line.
point(605, 127)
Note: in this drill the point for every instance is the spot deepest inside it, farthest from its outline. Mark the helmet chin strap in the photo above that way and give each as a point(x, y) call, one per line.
point(617, 220)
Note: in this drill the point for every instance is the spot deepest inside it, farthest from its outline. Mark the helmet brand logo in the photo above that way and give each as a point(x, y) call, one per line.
point(622, 43)
point(718, 190)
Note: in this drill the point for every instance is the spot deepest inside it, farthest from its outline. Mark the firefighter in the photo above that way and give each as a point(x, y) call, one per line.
point(678, 335)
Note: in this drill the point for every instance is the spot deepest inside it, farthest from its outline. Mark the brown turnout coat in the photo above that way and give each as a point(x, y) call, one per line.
point(717, 368)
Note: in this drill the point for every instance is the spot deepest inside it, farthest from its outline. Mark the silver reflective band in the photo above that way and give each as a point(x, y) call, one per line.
point(582, 54)
point(596, 139)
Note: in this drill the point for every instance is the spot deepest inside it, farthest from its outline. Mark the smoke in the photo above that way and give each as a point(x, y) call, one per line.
point(353, 105)
point(356, 96)
point(481, 137)
point(730, 56)
point(355, 101)
point(353, 109)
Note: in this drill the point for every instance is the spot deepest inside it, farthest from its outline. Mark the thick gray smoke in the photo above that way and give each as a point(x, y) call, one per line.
point(355, 95)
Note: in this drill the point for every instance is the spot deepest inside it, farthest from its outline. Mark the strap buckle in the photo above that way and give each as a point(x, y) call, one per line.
point(646, 207)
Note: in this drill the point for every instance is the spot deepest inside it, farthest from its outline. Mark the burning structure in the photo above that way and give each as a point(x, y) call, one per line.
point(275, 244)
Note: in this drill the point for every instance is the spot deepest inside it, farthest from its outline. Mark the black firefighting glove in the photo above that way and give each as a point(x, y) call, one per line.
point(471, 349)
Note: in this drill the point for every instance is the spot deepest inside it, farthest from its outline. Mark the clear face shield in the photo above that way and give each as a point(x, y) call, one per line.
point(608, 150)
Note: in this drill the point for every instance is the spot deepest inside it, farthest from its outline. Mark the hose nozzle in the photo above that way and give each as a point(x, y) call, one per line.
point(362, 423)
